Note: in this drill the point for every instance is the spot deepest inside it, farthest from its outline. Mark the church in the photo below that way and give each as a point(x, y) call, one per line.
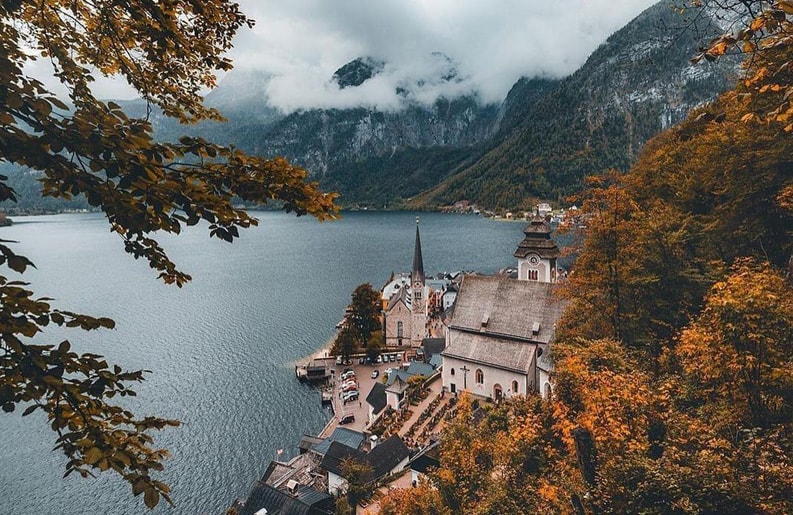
point(405, 307)
point(498, 341)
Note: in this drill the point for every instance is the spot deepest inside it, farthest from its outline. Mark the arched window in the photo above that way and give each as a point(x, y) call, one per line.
point(451, 372)
point(515, 387)
point(399, 329)
point(548, 391)
point(534, 275)
point(480, 376)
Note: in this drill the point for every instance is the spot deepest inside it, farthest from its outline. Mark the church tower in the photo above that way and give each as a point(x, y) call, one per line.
point(418, 300)
point(537, 253)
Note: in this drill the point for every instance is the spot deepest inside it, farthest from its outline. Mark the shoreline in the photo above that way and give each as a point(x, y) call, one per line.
point(321, 353)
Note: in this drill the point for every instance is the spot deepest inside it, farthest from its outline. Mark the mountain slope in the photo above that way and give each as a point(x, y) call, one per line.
point(637, 83)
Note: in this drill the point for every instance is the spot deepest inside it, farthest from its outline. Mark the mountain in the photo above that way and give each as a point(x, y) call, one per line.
point(370, 154)
point(430, 150)
point(637, 83)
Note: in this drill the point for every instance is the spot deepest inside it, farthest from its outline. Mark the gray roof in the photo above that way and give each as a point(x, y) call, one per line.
point(307, 442)
point(277, 502)
point(337, 453)
point(538, 240)
point(401, 296)
point(376, 398)
point(398, 385)
point(386, 456)
point(436, 361)
point(343, 435)
point(427, 458)
point(418, 368)
point(489, 350)
point(511, 308)
point(433, 345)
point(397, 374)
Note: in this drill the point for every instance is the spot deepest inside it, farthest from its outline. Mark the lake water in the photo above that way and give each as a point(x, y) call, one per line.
point(221, 349)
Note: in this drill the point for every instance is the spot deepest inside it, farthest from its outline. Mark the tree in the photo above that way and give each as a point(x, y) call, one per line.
point(345, 343)
point(168, 51)
point(421, 500)
point(364, 317)
point(764, 32)
point(374, 346)
point(739, 351)
point(358, 476)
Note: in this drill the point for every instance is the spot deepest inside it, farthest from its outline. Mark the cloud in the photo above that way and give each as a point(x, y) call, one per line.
point(491, 44)
point(301, 43)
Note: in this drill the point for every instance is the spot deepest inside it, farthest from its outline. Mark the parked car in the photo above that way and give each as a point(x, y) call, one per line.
point(389, 370)
point(338, 360)
point(346, 387)
point(360, 360)
point(379, 360)
point(375, 373)
point(392, 357)
point(350, 396)
point(347, 419)
point(347, 375)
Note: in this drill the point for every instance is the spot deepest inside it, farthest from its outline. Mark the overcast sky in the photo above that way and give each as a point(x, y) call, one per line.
point(492, 42)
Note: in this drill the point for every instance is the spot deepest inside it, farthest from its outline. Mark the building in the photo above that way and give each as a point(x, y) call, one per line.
point(406, 314)
point(385, 458)
point(499, 338)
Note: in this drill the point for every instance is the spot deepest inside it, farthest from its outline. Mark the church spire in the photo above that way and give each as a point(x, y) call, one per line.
point(418, 261)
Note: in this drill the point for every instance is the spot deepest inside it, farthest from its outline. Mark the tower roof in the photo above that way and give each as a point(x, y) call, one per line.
point(537, 240)
point(418, 260)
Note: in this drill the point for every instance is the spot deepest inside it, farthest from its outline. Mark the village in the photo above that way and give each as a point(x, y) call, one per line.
point(487, 337)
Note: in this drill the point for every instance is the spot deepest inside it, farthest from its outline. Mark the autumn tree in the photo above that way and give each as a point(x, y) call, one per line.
point(763, 31)
point(423, 499)
point(601, 284)
point(364, 317)
point(169, 52)
point(739, 351)
point(346, 343)
point(358, 476)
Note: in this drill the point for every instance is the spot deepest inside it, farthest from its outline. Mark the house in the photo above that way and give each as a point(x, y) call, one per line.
point(425, 460)
point(448, 297)
point(432, 346)
point(498, 341)
point(264, 498)
point(342, 435)
point(395, 391)
point(386, 458)
point(543, 209)
point(332, 463)
point(376, 400)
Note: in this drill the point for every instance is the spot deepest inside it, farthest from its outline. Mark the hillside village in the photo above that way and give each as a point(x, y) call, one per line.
point(487, 337)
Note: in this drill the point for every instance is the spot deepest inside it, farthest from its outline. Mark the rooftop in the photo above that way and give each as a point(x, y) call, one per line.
point(508, 308)
point(506, 354)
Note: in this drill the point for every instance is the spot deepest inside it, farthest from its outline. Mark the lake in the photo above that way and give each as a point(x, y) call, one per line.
point(221, 350)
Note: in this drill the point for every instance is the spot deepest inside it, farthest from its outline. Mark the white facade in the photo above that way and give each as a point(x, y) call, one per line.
point(496, 383)
point(448, 299)
point(535, 268)
point(336, 484)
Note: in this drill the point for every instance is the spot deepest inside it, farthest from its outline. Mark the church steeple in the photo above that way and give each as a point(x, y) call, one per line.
point(418, 261)
point(537, 252)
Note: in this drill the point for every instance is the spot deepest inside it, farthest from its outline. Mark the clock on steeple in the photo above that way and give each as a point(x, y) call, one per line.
point(537, 253)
